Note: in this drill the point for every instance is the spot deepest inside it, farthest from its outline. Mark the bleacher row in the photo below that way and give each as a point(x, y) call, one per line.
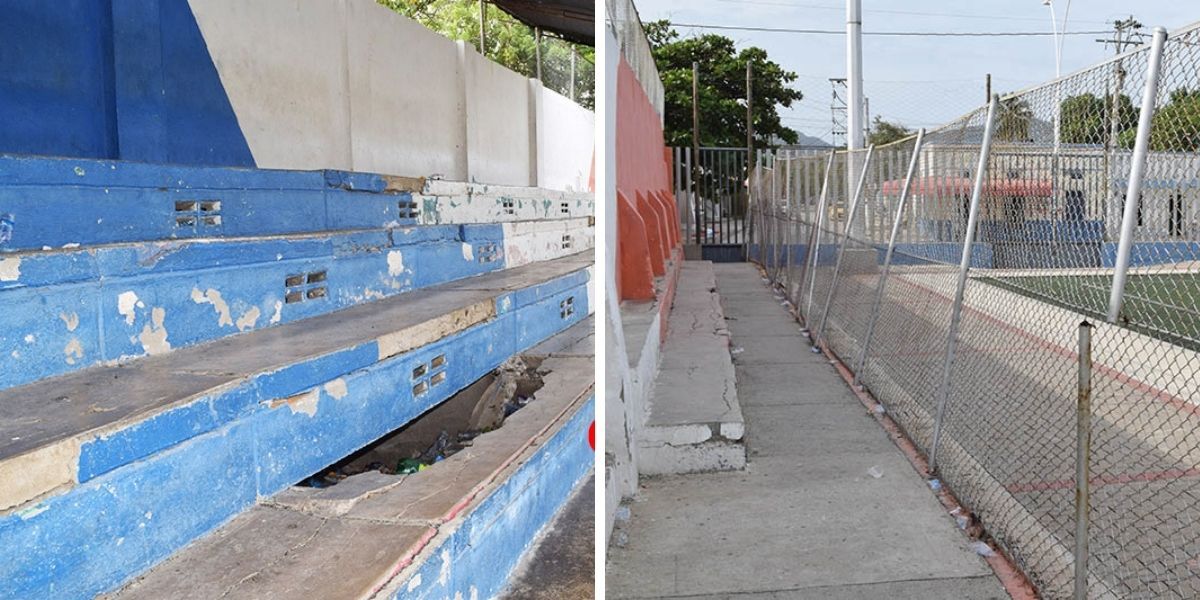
point(184, 343)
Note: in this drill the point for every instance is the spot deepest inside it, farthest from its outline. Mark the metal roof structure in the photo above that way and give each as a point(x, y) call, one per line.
point(573, 20)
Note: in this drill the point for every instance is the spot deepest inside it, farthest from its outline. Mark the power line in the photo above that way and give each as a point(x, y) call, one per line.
point(893, 33)
point(899, 12)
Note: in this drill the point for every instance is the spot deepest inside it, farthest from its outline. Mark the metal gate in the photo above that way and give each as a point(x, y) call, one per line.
point(713, 201)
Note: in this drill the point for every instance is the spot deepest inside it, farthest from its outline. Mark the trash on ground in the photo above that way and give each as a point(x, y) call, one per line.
point(875, 472)
point(982, 549)
point(935, 484)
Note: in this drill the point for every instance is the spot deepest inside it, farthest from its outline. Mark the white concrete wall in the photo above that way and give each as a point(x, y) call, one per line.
point(500, 131)
point(283, 66)
point(407, 96)
point(565, 150)
point(349, 84)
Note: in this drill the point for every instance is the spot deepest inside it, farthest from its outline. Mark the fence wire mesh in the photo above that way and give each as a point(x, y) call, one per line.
point(622, 17)
point(1051, 228)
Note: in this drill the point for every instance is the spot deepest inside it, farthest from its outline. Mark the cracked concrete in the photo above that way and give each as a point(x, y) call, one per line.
point(691, 426)
point(373, 529)
point(807, 518)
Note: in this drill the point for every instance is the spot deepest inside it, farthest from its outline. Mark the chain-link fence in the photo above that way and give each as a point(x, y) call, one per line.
point(623, 18)
point(951, 272)
point(569, 70)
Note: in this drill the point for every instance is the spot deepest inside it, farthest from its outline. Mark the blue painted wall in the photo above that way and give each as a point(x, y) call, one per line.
point(171, 106)
point(479, 555)
point(56, 78)
point(128, 79)
point(1153, 253)
point(154, 486)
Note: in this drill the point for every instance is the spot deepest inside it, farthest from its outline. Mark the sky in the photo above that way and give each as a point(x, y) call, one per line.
point(918, 81)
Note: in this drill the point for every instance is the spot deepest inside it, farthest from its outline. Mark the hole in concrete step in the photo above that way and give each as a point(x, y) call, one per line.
point(445, 429)
point(316, 277)
point(316, 293)
point(294, 280)
point(294, 297)
point(437, 378)
point(185, 206)
point(438, 361)
point(418, 371)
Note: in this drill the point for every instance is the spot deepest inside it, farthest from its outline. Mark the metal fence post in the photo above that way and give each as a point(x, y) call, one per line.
point(774, 217)
point(787, 225)
point(814, 246)
point(985, 151)
point(1137, 172)
point(837, 265)
point(887, 259)
point(1083, 451)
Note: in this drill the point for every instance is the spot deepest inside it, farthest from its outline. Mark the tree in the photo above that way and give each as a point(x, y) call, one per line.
point(1176, 126)
point(722, 89)
point(509, 42)
point(1088, 119)
point(886, 132)
point(1014, 121)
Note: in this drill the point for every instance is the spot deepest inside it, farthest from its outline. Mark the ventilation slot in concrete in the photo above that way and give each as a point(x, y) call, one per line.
point(305, 286)
point(408, 209)
point(488, 252)
point(565, 208)
point(447, 428)
point(566, 308)
point(197, 214)
point(566, 241)
point(508, 206)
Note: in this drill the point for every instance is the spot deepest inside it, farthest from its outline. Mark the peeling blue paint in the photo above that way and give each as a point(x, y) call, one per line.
point(487, 544)
point(194, 467)
point(206, 290)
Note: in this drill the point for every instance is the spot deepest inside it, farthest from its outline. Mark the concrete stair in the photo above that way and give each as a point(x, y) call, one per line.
point(454, 528)
point(188, 342)
point(694, 423)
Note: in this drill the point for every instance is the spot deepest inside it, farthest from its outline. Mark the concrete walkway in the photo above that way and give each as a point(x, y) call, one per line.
point(808, 518)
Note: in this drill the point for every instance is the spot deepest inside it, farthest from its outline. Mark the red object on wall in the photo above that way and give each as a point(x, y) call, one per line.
point(645, 197)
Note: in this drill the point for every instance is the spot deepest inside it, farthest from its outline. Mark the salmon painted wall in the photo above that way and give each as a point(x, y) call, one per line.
point(647, 230)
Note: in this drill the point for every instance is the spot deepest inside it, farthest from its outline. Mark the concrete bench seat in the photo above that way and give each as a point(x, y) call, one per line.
point(455, 528)
point(694, 422)
point(109, 469)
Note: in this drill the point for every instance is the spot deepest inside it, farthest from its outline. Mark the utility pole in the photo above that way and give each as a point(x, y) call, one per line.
point(837, 110)
point(574, 54)
point(482, 29)
point(854, 73)
point(696, 148)
point(537, 47)
point(1124, 36)
point(866, 118)
point(749, 128)
point(749, 113)
point(988, 86)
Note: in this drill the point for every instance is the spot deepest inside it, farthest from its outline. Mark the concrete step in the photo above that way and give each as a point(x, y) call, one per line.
point(456, 529)
point(109, 202)
point(157, 451)
point(694, 422)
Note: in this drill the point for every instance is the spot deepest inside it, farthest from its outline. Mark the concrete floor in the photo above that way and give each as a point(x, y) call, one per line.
point(807, 518)
point(562, 563)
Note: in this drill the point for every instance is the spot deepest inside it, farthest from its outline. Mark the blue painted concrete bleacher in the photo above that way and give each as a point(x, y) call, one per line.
point(195, 339)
